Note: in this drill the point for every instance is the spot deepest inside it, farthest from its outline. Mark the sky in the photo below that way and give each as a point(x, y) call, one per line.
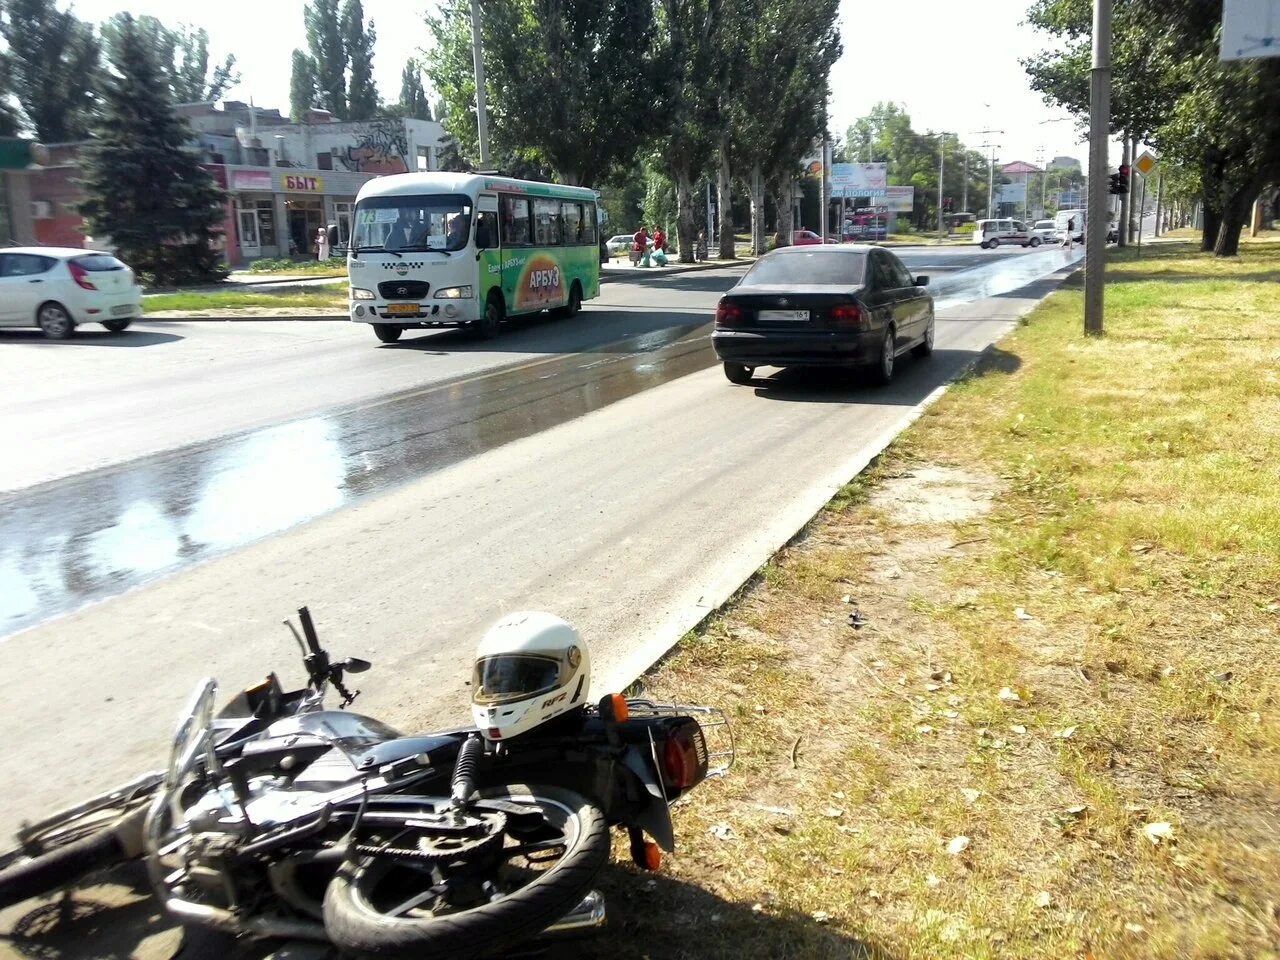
point(953, 64)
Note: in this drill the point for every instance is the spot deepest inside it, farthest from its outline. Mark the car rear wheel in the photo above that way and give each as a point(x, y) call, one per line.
point(993, 242)
point(117, 326)
point(54, 320)
point(1035, 241)
point(883, 370)
point(738, 373)
point(387, 332)
point(925, 347)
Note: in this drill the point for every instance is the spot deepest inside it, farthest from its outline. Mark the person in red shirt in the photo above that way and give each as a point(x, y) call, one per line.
point(659, 240)
point(640, 251)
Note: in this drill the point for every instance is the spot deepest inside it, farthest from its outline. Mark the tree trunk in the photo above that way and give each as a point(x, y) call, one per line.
point(782, 202)
point(724, 197)
point(1210, 217)
point(757, 211)
point(1227, 243)
point(685, 229)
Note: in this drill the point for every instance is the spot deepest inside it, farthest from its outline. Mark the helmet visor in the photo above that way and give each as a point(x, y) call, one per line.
point(513, 676)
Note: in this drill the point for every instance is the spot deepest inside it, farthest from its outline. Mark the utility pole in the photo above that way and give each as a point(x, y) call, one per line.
point(1159, 202)
point(1095, 248)
point(1122, 228)
point(477, 54)
point(964, 184)
point(991, 172)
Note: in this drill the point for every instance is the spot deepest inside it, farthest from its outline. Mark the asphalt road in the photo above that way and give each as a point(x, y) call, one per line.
point(598, 468)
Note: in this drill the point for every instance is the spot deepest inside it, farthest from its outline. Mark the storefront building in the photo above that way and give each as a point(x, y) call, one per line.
point(277, 213)
point(283, 181)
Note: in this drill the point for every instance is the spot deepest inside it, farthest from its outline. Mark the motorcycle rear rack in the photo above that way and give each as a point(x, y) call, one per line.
point(716, 729)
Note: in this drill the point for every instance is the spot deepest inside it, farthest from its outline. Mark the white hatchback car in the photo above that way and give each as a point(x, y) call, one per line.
point(59, 288)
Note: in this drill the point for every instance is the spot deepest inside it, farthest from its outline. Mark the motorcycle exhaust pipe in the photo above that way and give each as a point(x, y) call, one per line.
point(218, 919)
point(588, 915)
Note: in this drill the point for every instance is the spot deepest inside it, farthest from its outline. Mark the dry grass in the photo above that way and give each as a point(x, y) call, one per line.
point(1125, 494)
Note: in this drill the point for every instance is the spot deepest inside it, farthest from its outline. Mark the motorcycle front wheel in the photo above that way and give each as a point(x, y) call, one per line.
point(61, 849)
point(418, 899)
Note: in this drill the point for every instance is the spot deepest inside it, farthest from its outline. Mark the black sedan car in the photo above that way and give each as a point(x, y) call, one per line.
point(851, 306)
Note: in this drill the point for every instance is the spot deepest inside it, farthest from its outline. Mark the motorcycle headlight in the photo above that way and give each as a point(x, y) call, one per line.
point(454, 293)
point(359, 294)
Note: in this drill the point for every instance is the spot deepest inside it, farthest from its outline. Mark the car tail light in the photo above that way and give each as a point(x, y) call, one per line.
point(728, 314)
point(684, 757)
point(80, 275)
point(846, 315)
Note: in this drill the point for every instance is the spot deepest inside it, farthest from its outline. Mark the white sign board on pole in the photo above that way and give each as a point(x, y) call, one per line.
point(900, 199)
point(1011, 192)
point(1249, 29)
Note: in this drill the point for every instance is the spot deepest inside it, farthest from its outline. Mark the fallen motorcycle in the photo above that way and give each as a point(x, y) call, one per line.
point(327, 825)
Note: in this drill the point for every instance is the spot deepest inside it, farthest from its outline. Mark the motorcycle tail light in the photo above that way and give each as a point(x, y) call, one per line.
point(684, 757)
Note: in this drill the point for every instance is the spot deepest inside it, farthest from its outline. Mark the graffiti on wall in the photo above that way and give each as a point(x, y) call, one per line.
point(380, 147)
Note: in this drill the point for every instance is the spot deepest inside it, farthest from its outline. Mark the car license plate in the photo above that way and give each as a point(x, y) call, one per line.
point(124, 310)
point(784, 316)
point(400, 309)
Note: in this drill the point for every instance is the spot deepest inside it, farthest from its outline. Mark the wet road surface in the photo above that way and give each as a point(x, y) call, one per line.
point(99, 533)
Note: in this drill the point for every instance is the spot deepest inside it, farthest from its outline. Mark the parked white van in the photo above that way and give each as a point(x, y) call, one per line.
point(991, 233)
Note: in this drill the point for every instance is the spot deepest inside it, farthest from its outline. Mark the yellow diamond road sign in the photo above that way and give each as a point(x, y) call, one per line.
point(1146, 163)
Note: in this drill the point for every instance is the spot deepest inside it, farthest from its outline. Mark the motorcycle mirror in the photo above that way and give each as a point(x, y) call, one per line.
point(355, 665)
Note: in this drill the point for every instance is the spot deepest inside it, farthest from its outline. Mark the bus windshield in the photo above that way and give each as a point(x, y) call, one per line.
point(429, 222)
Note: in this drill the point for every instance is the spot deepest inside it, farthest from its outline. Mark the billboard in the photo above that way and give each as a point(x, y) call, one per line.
point(858, 179)
point(1011, 193)
point(1249, 29)
point(899, 199)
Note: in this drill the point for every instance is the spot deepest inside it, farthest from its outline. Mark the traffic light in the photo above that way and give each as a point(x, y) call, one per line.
point(1120, 181)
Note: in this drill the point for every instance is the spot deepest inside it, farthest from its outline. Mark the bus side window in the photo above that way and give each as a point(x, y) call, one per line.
point(589, 216)
point(515, 222)
point(486, 230)
point(571, 215)
point(547, 224)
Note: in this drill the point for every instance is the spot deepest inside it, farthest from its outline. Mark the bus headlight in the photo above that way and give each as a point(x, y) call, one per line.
point(358, 294)
point(454, 293)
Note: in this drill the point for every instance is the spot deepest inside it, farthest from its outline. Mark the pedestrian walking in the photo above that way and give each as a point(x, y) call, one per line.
point(700, 249)
point(322, 244)
point(659, 241)
point(1071, 234)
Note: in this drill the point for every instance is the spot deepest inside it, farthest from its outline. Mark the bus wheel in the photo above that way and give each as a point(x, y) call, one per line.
point(486, 328)
point(574, 305)
point(387, 332)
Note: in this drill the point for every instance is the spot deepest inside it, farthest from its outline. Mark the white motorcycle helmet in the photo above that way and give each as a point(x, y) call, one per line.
point(530, 667)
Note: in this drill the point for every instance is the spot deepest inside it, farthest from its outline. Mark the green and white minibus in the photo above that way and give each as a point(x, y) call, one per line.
point(454, 249)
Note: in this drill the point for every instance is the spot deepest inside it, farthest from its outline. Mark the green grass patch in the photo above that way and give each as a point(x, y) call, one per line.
point(334, 298)
point(311, 268)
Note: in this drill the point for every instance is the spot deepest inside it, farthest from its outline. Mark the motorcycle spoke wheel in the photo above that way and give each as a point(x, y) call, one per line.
point(553, 843)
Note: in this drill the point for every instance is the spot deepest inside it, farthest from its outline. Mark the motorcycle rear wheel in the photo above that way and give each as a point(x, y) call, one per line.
point(365, 911)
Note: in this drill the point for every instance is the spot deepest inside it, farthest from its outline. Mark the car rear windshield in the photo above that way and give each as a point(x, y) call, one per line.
point(841, 267)
point(98, 263)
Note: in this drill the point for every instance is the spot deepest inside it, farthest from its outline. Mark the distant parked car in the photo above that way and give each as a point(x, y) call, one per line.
point(1045, 230)
point(804, 238)
point(620, 244)
point(58, 289)
point(854, 306)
